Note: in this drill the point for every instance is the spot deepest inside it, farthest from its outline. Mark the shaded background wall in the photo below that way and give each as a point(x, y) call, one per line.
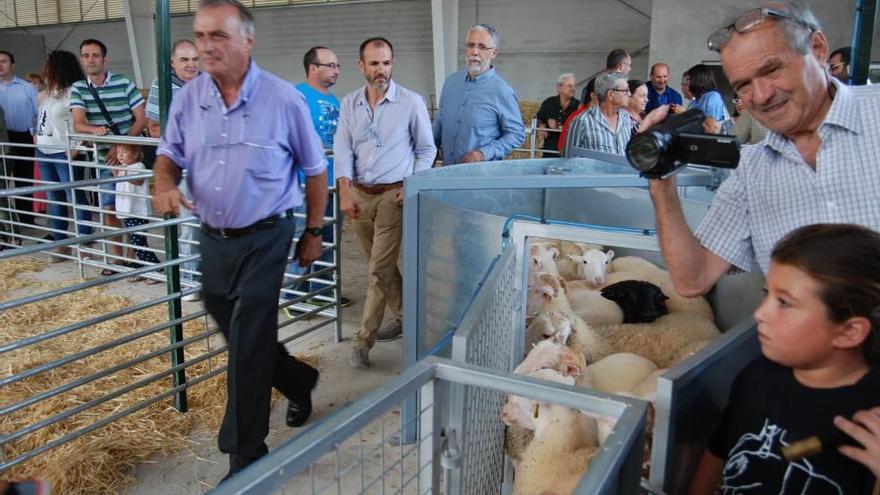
point(539, 40)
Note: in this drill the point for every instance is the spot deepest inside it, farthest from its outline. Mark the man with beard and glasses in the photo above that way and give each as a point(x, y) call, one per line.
point(818, 163)
point(479, 118)
point(384, 136)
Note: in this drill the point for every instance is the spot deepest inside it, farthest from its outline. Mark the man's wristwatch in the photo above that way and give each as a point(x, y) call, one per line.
point(315, 231)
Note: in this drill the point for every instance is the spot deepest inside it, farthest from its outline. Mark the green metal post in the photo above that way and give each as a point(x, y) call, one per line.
point(172, 250)
point(863, 30)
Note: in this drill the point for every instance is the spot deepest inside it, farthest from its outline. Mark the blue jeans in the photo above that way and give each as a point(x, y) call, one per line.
point(60, 172)
point(327, 255)
point(108, 199)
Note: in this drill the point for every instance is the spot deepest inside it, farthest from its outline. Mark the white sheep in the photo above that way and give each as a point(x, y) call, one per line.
point(543, 357)
point(637, 268)
point(588, 303)
point(551, 296)
point(542, 259)
point(592, 265)
point(568, 268)
point(549, 354)
point(616, 373)
point(556, 459)
point(545, 288)
point(666, 341)
point(554, 325)
point(564, 442)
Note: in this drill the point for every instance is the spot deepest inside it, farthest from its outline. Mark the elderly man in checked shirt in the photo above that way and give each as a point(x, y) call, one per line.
point(820, 162)
point(384, 136)
point(241, 133)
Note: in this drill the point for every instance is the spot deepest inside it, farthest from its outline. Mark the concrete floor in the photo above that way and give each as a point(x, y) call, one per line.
point(199, 466)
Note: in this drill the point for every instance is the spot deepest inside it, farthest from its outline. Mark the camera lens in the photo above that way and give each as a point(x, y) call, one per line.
point(644, 151)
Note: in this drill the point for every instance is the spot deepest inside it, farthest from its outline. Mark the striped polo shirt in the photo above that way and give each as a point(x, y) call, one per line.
point(119, 96)
point(774, 191)
point(590, 130)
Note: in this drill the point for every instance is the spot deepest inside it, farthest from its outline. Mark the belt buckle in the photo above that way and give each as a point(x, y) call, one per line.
point(223, 233)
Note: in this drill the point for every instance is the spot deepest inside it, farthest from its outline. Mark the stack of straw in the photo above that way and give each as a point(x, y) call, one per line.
point(100, 461)
point(528, 109)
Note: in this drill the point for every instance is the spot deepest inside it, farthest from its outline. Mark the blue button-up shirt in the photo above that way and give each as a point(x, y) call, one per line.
point(481, 114)
point(241, 160)
point(19, 99)
point(655, 99)
point(386, 145)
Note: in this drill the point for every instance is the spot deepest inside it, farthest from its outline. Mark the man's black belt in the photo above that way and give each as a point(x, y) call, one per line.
point(258, 225)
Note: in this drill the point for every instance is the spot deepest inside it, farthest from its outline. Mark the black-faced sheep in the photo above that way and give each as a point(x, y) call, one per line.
point(637, 268)
point(640, 301)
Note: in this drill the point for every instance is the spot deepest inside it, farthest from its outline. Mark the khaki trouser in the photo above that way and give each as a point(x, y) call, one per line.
point(380, 229)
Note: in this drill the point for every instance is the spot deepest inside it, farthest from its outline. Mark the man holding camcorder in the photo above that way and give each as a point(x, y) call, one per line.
point(818, 163)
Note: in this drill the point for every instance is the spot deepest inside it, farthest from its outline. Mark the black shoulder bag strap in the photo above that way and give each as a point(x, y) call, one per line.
point(112, 125)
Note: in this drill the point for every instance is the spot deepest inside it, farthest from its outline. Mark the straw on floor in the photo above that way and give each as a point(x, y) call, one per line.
point(101, 461)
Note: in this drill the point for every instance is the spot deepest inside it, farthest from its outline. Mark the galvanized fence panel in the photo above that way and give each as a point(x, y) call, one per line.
point(351, 452)
point(486, 337)
point(169, 361)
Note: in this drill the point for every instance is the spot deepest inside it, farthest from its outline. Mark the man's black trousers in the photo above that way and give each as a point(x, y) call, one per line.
point(241, 281)
point(22, 168)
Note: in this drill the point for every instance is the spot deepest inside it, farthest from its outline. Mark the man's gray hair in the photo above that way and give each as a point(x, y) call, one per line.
point(177, 44)
point(562, 77)
point(488, 28)
point(244, 15)
point(606, 81)
point(797, 29)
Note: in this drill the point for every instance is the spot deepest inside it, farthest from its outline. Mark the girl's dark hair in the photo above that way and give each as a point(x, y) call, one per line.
point(844, 260)
point(702, 80)
point(589, 88)
point(62, 69)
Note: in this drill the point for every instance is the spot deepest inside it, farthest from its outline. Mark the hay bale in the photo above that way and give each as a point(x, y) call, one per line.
point(100, 461)
point(528, 109)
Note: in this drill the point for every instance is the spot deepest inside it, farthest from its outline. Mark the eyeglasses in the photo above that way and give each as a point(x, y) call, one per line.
point(836, 66)
point(750, 20)
point(479, 46)
point(332, 66)
point(626, 91)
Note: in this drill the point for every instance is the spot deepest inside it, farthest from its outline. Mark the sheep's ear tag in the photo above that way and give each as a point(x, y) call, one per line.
point(537, 409)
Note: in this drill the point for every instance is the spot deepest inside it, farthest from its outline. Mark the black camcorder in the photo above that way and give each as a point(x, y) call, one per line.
point(678, 141)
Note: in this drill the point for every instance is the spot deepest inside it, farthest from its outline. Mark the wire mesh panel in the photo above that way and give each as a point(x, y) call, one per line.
point(355, 450)
point(371, 461)
point(486, 337)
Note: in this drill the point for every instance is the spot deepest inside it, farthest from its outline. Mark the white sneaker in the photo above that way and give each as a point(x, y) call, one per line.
point(195, 296)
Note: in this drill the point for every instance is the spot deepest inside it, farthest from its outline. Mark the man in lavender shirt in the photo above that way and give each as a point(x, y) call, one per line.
point(241, 134)
point(384, 135)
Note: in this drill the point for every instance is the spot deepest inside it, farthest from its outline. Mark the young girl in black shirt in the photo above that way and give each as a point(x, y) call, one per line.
point(818, 330)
